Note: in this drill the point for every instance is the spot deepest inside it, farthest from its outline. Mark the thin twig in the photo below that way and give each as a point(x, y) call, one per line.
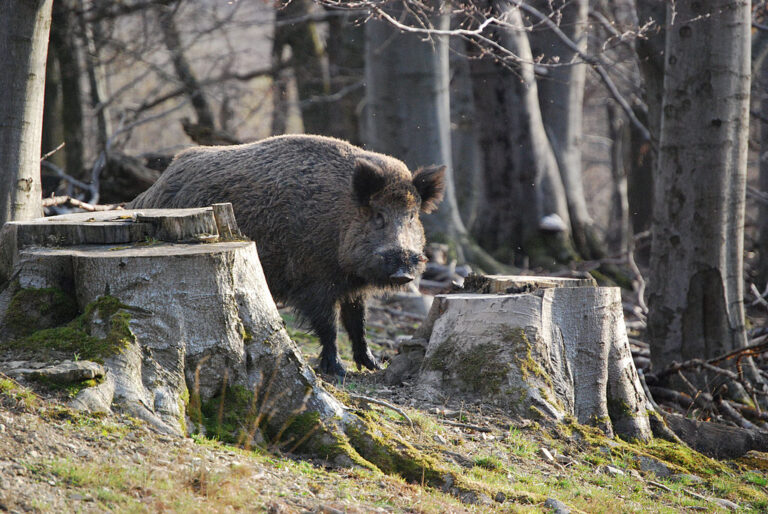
point(466, 425)
point(383, 404)
point(74, 202)
point(44, 157)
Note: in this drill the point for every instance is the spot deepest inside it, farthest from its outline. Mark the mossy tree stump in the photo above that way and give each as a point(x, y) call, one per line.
point(178, 324)
point(558, 348)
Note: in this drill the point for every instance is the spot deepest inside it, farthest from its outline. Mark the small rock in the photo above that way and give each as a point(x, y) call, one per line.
point(439, 439)
point(69, 372)
point(546, 454)
point(500, 497)
point(326, 509)
point(556, 506)
point(684, 477)
point(649, 464)
point(612, 470)
point(726, 504)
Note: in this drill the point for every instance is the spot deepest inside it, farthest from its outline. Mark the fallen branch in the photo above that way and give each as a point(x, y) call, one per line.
point(466, 425)
point(383, 404)
point(726, 409)
point(55, 201)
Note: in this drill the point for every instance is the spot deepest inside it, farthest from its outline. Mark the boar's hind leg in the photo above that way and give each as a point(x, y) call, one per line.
point(353, 317)
point(323, 321)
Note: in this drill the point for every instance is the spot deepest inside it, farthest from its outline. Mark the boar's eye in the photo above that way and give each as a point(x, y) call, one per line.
point(378, 220)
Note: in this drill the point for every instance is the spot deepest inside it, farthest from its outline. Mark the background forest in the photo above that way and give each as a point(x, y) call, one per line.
point(624, 141)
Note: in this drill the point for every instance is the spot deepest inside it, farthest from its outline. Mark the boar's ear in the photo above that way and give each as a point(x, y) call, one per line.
point(367, 180)
point(430, 183)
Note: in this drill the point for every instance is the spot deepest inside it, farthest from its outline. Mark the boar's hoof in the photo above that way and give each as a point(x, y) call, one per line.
point(368, 360)
point(332, 367)
point(400, 277)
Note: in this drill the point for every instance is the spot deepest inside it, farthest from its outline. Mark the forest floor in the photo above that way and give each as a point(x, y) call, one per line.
point(54, 459)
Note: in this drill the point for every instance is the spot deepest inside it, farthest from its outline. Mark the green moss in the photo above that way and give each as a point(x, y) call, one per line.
point(481, 371)
point(489, 462)
point(393, 455)
point(33, 309)
point(683, 457)
point(71, 389)
point(517, 338)
point(75, 336)
point(230, 416)
point(620, 408)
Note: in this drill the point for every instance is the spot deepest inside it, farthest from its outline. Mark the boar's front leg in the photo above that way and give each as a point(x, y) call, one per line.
point(353, 317)
point(322, 316)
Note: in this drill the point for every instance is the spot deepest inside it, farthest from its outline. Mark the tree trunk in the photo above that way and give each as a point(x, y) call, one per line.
point(465, 154)
point(650, 52)
point(696, 289)
point(183, 69)
point(346, 69)
point(52, 135)
point(307, 56)
point(619, 231)
point(762, 220)
point(64, 46)
point(96, 80)
point(24, 28)
point(408, 114)
point(519, 167)
point(561, 96)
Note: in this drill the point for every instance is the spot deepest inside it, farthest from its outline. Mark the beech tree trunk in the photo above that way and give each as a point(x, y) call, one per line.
point(24, 28)
point(346, 69)
point(183, 69)
point(519, 167)
point(465, 147)
point(408, 114)
point(65, 49)
point(561, 96)
point(307, 54)
point(644, 159)
point(696, 277)
point(762, 219)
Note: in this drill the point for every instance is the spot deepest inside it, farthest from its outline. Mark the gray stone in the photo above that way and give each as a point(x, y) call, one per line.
point(71, 371)
point(684, 477)
point(652, 465)
point(611, 470)
point(66, 372)
point(556, 506)
point(727, 504)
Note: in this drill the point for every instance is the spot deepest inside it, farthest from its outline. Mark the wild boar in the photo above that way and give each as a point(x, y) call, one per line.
point(332, 222)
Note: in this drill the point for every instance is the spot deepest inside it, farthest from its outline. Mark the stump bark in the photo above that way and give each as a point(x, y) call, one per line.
point(552, 351)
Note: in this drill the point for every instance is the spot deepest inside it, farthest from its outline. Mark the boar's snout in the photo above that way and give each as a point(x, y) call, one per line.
point(401, 266)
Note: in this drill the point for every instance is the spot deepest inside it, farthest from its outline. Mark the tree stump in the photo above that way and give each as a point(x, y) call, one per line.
point(177, 324)
point(550, 351)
